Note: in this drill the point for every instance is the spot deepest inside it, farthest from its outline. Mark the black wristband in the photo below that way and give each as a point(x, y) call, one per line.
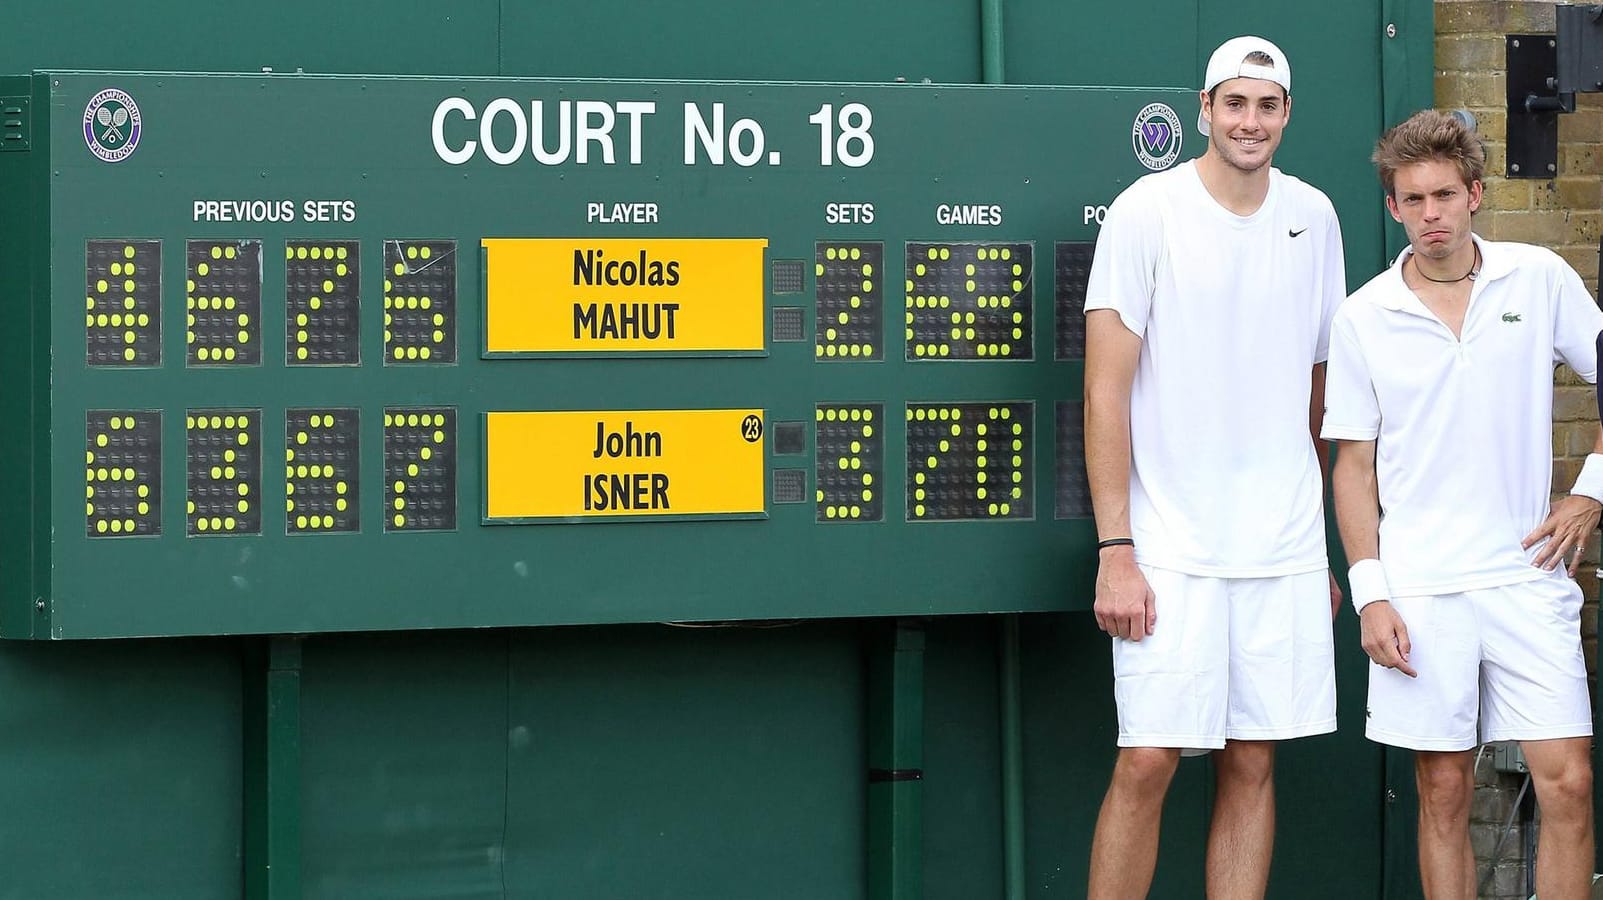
point(1115, 542)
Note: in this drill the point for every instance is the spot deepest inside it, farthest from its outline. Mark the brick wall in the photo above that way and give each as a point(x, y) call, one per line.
point(1564, 213)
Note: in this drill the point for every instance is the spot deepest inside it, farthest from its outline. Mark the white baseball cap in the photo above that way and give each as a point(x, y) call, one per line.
point(1229, 61)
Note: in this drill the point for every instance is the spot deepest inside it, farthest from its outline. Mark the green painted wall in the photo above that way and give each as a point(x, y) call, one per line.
point(647, 761)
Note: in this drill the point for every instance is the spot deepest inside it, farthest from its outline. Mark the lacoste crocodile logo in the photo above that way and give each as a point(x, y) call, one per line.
point(1511, 317)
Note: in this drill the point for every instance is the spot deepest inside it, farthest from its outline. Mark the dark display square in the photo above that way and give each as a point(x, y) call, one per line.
point(970, 461)
point(970, 301)
point(849, 446)
point(419, 468)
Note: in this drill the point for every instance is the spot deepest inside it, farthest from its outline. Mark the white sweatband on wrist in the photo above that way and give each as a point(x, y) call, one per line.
point(1367, 579)
point(1590, 482)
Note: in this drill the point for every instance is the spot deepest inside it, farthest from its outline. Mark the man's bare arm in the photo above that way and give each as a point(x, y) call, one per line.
point(1124, 604)
point(1357, 496)
point(1569, 525)
point(1316, 423)
point(1357, 492)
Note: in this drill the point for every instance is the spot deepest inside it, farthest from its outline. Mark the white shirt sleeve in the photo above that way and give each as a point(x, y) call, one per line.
point(1352, 412)
point(1576, 323)
point(1124, 269)
point(1333, 284)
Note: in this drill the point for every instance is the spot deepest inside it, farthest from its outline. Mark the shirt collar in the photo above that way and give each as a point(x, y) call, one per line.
point(1494, 265)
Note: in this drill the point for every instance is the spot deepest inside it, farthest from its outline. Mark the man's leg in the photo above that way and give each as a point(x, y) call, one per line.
point(1446, 785)
point(1242, 836)
point(1282, 686)
point(1124, 851)
point(1562, 772)
point(1536, 692)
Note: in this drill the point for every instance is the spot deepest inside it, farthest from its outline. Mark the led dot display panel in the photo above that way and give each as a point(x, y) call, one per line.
point(419, 302)
point(123, 472)
point(122, 318)
point(790, 485)
point(321, 468)
point(1073, 489)
point(419, 468)
point(223, 303)
point(969, 301)
point(850, 443)
point(224, 465)
point(849, 280)
point(1073, 274)
point(322, 303)
point(789, 324)
point(970, 461)
point(788, 276)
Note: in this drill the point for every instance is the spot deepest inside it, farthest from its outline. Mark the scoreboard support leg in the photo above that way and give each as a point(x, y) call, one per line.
point(896, 763)
point(272, 769)
point(1011, 681)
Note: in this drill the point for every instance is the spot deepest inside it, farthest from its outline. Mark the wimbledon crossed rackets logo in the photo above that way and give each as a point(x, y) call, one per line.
point(111, 125)
point(1157, 136)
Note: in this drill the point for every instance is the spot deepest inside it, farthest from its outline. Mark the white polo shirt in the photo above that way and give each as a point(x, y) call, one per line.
point(1234, 313)
point(1463, 426)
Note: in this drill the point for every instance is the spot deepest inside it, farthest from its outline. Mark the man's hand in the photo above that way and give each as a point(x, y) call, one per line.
point(1569, 523)
point(1124, 602)
point(1385, 637)
point(1335, 596)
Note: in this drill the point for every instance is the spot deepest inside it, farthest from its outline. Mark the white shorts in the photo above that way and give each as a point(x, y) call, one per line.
point(1508, 657)
point(1247, 659)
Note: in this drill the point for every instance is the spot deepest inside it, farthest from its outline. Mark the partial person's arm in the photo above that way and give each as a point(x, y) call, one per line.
point(1316, 421)
point(1124, 602)
point(1357, 492)
point(1333, 291)
point(1353, 420)
point(1571, 521)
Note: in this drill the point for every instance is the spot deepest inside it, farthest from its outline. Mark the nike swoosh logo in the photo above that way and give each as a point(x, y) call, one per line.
point(1298, 231)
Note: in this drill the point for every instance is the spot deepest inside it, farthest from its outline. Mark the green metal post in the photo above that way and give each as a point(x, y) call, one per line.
point(991, 58)
point(1012, 761)
point(896, 764)
point(272, 768)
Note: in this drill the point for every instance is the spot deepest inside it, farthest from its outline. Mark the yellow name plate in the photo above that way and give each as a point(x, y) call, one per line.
point(572, 295)
point(650, 463)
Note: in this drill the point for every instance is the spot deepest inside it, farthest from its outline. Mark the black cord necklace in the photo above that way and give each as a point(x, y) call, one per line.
point(1473, 273)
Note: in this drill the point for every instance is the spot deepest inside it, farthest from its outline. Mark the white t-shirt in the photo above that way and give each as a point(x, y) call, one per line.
point(1463, 426)
point(1234, 313)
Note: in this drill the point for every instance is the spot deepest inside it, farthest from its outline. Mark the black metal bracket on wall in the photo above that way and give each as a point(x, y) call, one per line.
point(1545, 72)
point(1533, 105)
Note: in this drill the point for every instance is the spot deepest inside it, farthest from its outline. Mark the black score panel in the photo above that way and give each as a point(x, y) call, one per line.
point(1073, 273)
point(850, 283)
point(224, 463)
point(123, 473)
point(970, 461)
point(224, 303)
point(322, 303)
point(419, 302)
point(850, 442)
point(1073, 488)
point(969, 301)
point(122, 321)
point(420, 468)
point(322, 468)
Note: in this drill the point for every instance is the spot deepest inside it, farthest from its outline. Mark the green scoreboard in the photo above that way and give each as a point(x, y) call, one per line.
point(385, 353)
